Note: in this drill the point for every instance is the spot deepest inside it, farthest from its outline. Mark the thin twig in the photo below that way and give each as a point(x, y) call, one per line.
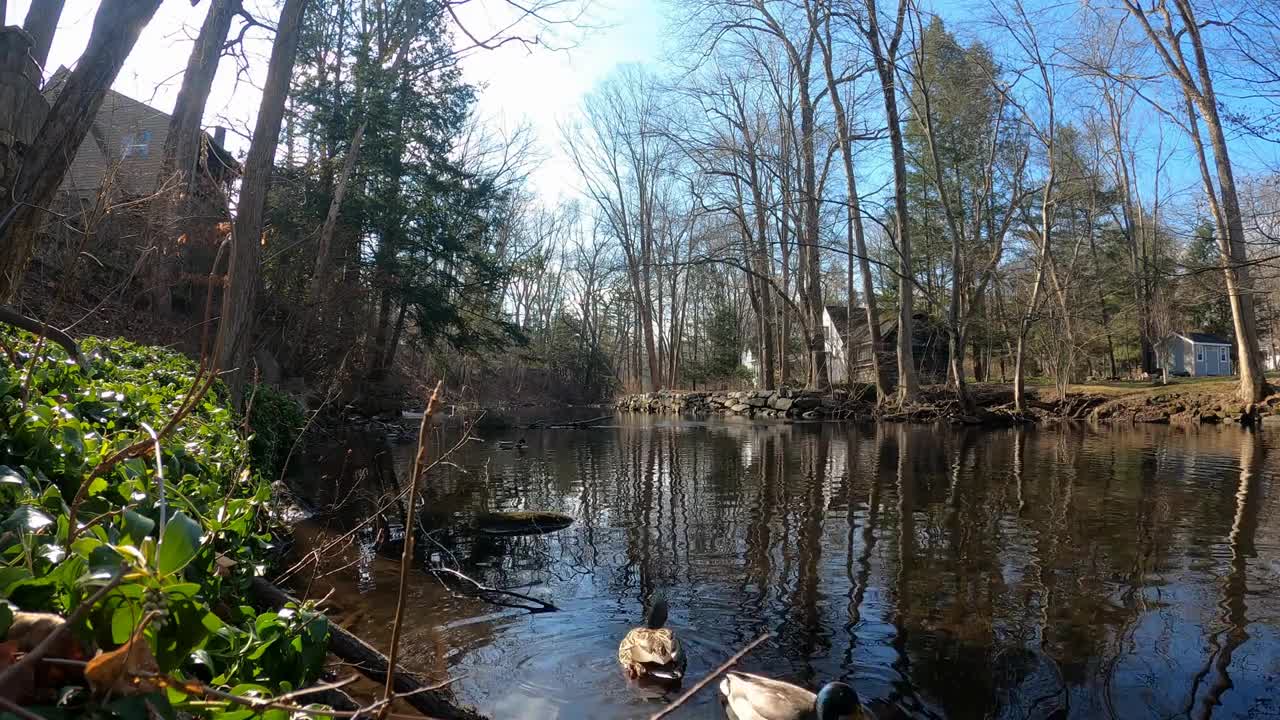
point(544, 606)
point(315, 555)
point(52, 638)
point(708, 679)
point(406, 557)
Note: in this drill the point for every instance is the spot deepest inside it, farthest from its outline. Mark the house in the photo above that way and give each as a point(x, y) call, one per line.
point(125, 144)
point(929, 346)
point(1196, 354)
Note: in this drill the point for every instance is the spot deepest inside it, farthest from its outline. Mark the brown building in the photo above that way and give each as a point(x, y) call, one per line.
point(124, 150)
point(929, 346)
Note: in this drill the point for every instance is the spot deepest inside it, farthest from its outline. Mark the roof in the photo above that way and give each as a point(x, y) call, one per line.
point(1206, 339)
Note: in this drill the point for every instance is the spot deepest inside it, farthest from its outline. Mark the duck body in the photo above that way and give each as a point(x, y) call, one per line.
point(653, 651)
point(755, 697)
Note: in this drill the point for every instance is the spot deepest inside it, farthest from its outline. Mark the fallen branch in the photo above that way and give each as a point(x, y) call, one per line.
point(547, 425)
point(482, 590)
point(724, 667)
point(12, 317)
point(368, 661)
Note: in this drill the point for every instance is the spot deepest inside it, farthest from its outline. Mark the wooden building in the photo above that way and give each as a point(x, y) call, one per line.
point(929, 346)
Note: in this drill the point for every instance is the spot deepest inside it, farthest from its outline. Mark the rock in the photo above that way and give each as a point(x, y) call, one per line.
point(807, 402)
point(758, 402)
point(784, 392)
point(1270, 421)
point(783, 404)
point(740, 408)
point(812, 415)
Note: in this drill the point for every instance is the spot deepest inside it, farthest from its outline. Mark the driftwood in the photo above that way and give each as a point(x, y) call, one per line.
point(10, 316)
point(370, 662)
point(548, 425)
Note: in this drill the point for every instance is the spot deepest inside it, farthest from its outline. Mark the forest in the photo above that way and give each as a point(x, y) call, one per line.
point(1051, 190)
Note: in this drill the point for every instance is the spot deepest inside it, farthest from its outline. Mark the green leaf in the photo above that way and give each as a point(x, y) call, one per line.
point(179, 542)
point(123, 621)
point(9, 476)
point(28, 518)
point(6, 619)
point(11, 575)
point(97, 486)
point(137, 526)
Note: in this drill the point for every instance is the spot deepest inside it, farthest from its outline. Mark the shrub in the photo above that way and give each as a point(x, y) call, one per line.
point(275, 420)
point(188, 558)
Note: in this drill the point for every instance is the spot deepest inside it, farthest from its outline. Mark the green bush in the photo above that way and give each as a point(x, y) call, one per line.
point(276, 420)
point(190, 558)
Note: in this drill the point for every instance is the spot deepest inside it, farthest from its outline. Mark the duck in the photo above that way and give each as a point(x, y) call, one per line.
point(653, 651)
point(512, 444)
point(755, 697)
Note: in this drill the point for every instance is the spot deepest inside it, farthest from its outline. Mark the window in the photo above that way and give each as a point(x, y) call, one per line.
point(1199, 354)
point(136, 144)
point(1223, 356)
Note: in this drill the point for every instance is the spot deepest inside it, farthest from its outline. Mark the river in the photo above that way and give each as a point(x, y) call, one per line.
point(1068, 572)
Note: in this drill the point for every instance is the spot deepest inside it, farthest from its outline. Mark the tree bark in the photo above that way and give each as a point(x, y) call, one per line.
point(856, 236)
point(239, 300)
point(115, 31)
point(41, 24)
point(183, 148)
point(908, 384)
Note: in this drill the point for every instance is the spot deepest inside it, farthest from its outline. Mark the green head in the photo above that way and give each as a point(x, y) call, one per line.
point(657, 615)
point(837, 700)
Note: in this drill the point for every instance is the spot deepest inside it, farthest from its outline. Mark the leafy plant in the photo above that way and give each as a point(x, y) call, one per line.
point(275, 420)
point(188, 532)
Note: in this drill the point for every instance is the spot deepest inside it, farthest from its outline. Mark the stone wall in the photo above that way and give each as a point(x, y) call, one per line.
point(781, 403)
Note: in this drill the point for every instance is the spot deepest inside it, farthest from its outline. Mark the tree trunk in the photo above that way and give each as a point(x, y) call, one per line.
point(320, 278)
point(908, 384)
point(183, 146)
point(115, 31)
point(41, 24)
point(856, 237)
point(239, 300)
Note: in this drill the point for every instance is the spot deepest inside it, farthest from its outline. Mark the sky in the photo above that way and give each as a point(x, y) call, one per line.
point(542, 86)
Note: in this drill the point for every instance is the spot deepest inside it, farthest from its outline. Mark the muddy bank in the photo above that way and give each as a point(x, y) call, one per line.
point(1217, 406)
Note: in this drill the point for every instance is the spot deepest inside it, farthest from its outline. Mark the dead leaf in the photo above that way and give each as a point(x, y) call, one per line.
point(21, 687)
point(127, 670)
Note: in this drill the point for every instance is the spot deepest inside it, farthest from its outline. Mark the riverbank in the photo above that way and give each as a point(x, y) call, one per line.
point(1182, 402)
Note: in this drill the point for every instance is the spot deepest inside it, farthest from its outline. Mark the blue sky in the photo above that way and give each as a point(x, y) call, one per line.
point(540, 86)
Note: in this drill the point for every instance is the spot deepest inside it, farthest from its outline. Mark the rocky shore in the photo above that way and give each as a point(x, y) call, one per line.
point(781, 403)
point(1188, 404)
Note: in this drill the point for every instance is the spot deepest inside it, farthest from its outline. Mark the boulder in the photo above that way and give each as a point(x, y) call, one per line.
point(783, 404)
point(812, 415)
point(740, 408)
point(758, 402)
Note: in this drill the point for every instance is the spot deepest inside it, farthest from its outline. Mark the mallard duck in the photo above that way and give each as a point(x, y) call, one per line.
point(652, 651)
point(754, 697)
point(512, 444)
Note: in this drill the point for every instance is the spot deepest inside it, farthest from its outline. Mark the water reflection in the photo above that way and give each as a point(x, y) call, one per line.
point(1064, 573)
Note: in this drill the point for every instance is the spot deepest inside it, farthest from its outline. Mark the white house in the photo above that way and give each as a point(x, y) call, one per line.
point(1195, 354)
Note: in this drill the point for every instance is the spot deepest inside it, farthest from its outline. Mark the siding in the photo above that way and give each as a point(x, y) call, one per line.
point(127, 137)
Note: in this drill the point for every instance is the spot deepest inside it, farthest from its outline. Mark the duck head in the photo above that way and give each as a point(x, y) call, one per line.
point(837, 700)
point(657, 615)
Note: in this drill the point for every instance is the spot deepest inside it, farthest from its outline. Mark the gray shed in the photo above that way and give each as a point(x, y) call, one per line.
point(1195, 354)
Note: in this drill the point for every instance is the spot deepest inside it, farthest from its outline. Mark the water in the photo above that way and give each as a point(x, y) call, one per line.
point(1047, 573)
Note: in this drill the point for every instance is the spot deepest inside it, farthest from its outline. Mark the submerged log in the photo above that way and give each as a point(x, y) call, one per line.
point(521, 523)
point(370, 662)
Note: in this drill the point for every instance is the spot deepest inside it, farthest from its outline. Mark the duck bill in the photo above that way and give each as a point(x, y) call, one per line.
point(666, 674)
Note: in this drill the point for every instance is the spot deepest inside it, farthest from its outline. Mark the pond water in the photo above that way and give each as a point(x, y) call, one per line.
point(1068, 572)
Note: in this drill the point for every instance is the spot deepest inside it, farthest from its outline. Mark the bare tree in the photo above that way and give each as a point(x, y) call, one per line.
point(240, 298)
point(1172, 26)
